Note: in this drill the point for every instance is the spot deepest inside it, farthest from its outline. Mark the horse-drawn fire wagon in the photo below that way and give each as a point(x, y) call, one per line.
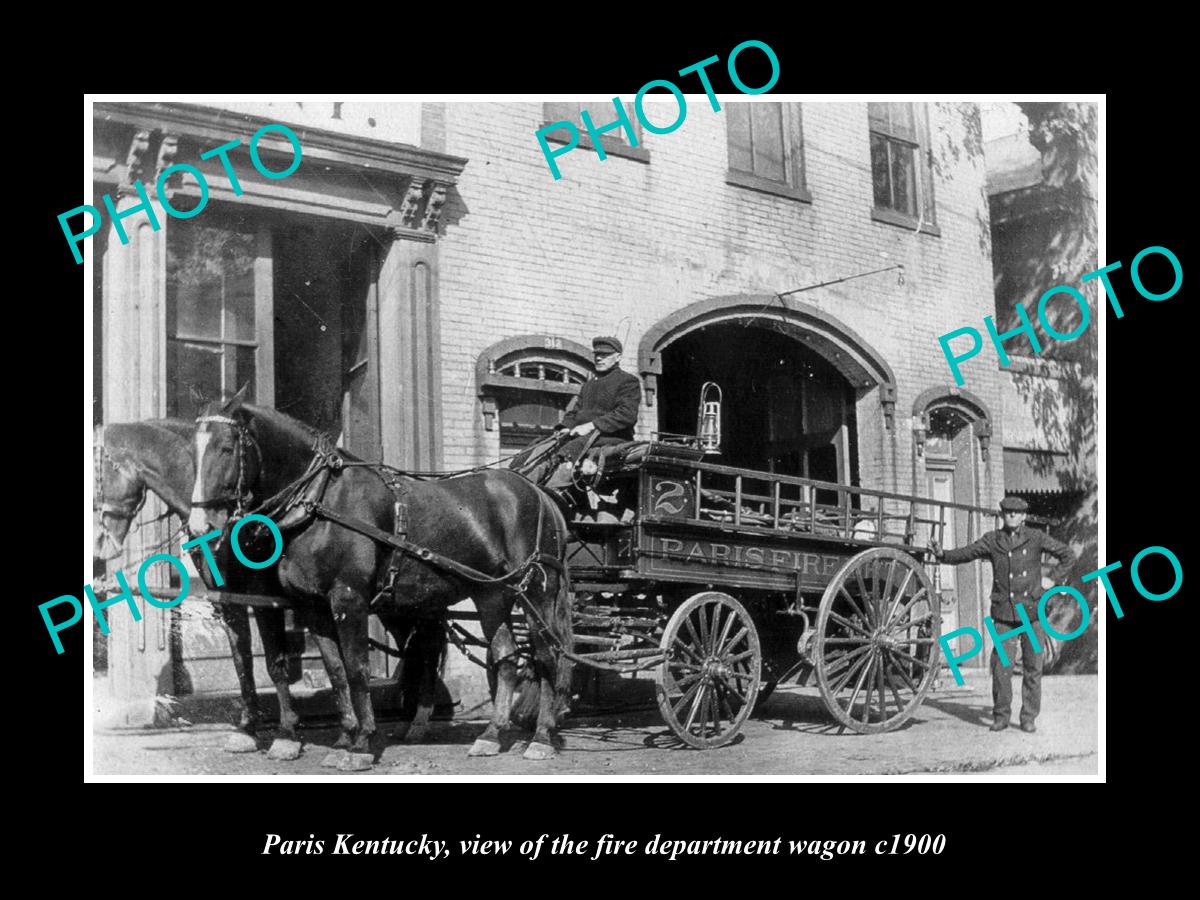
point(726, 582)
point(723, 582)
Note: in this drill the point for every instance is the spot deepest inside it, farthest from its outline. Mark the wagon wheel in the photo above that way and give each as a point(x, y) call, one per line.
point(708, 681)
point(877, 630)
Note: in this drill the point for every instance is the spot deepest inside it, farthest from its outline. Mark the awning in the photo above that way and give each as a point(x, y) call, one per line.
point(1039, 472)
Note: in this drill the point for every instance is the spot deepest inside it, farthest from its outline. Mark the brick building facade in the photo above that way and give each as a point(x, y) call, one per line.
point(463, 284)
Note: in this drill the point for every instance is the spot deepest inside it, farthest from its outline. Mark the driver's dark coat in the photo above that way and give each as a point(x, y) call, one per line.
point(610, 401)
point(1016, 567)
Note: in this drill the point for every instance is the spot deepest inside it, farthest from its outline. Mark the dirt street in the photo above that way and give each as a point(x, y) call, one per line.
point(791, 735)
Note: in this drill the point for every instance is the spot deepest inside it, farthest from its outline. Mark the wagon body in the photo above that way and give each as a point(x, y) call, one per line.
point(826, 581)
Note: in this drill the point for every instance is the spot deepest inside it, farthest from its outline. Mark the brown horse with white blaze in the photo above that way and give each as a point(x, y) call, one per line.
point(490, 535)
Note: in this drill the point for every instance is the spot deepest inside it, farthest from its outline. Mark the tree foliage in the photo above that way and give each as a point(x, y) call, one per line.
point(1066, 135)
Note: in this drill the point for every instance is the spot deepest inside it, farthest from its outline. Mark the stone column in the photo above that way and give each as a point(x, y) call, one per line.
point(409, 333)
point(134, 308)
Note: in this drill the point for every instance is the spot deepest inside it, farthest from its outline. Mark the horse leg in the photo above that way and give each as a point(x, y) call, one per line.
point(426, 652)
point(270, 628)
point(401, 630)
point(553, 669)
point(235, 621)
point(349, 607)
point(320, 623)
point(502, 653)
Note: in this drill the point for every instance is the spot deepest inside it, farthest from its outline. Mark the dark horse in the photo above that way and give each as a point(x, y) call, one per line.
point(159, 455)
point(495, 525)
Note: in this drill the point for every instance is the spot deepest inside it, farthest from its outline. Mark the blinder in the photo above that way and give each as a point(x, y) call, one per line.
point(241, 498)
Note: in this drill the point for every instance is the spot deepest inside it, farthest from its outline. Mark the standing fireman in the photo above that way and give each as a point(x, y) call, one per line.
point(1016, 555)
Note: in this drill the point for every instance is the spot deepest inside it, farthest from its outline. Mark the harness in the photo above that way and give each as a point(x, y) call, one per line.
point(301, 501)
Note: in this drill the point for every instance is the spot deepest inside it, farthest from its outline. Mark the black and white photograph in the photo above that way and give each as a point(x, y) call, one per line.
point(683, 435)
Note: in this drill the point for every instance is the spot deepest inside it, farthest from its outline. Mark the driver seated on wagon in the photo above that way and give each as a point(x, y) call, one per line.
point(606, 405)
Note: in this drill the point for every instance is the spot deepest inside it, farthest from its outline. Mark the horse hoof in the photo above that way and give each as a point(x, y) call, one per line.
point(520, 745)
point(484, 748)
point(357, 762)
point(239, 742)
point(537, 750)
point(283, 749)
point(416, 734)
point(333, 759)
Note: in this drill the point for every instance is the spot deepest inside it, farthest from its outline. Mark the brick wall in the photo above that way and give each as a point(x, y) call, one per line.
point(621, 238)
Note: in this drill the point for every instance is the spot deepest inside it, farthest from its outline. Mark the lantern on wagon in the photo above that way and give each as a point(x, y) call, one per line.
point(708, 418)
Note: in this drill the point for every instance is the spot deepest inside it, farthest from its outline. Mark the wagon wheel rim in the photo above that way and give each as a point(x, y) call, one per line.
point(708, 680)
point(876, 643)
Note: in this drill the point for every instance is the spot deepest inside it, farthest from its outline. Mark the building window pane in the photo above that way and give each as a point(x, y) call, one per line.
point(767, 132)
point(602, 112)
point(741, 157)
point(756, 135)
point(896, 154)
point(903, 189)
point(210, 314)
point(879, 171)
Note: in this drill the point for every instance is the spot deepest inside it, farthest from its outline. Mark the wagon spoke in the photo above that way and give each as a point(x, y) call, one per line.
point(917, 640)
point(682, 683)
point(870, 687)
point(716, 713)
point(677, 708)
point(849, 673)
point(731, 643)
point(847, 640)
point(719, 645)
point(919, 662)
point(858, 609)
point(912, 623)
point(705, 638)
point(865, 594)
point(882, 696)
point(844, 658)
point(729, 687)
point(887, 587)
point(744, 654)
point(908, 681)
point(725, 703)
point(912, 600)
point(908, 574)
point(891, 685)
point(699, 698)
point(858, 685)
point(683, 645)
point(696, 642)
point(844, 621)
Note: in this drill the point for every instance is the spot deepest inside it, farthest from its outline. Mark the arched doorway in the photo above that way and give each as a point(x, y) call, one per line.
point(793, 378)
point(952, 431)
point(786, 409)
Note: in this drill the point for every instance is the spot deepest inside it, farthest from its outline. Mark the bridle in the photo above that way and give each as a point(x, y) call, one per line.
point(242, 497)
point(118, 510)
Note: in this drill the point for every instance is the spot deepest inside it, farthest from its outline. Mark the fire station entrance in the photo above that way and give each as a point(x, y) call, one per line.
point(798, 386)
point(785, 409)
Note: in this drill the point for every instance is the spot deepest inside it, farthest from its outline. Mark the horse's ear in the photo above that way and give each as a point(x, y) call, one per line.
point(198, 394)
point(234, 403)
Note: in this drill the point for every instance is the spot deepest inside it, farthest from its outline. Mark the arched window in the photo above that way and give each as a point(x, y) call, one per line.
point(525, 384)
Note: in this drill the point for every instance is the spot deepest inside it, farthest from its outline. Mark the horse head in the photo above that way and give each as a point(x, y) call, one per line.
point(120, 493)
point(228, 464)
